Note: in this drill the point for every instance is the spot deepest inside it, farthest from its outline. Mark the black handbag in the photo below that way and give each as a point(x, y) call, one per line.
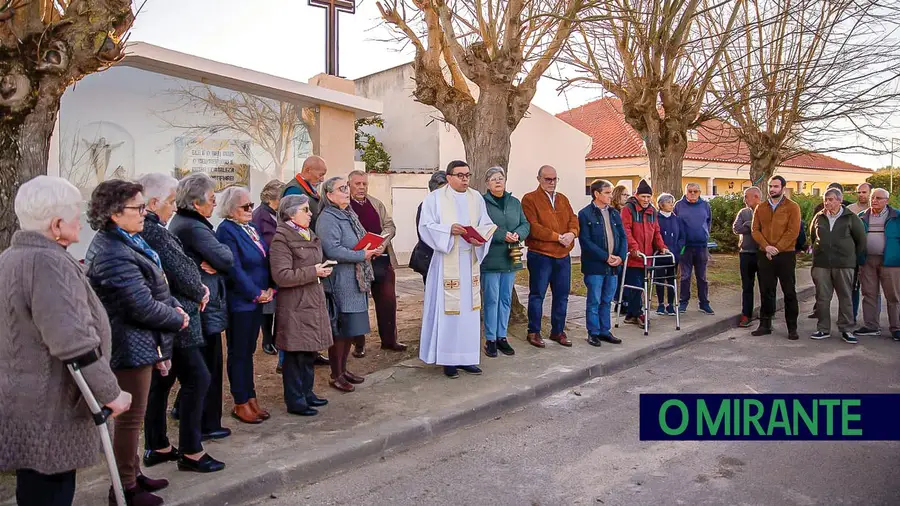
point(420, 259)
point(333, 310)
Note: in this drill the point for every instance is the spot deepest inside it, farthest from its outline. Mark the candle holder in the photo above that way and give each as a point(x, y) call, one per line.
point(515, 252)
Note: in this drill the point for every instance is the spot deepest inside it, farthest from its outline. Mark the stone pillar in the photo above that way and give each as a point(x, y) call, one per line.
point(334, 131)
point(709, 185)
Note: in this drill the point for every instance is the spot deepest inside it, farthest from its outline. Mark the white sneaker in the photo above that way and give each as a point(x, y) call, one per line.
point(820, 335)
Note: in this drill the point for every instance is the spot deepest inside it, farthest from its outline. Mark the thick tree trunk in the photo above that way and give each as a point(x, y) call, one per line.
point(24, 151)
point(762, 167)
point(666, 157)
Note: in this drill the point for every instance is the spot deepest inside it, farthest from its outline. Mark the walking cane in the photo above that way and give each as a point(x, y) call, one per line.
point(101, 415)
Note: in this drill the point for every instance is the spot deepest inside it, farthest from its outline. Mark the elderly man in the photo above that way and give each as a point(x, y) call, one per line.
point(838, 238)
point(451, 316)
point(375, 218)
point(554, 228)
point(881, 267)
point(749, 248)
point(697, 217)
point(311, 175)
point(775, 228)
point(641, 223)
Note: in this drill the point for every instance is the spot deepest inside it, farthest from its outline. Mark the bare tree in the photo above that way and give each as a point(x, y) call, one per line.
point(270, 124)
point(806, 72)
point(648, 54)
point(44, 47)
point(502, 47)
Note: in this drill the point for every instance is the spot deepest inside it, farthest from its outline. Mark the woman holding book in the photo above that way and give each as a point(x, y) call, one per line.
point(348, 287)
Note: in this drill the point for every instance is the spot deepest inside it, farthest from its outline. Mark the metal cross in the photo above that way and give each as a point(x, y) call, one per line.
point(332, 7)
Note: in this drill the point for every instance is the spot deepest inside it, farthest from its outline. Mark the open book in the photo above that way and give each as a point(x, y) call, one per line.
point(371, 240)
point(478, 234)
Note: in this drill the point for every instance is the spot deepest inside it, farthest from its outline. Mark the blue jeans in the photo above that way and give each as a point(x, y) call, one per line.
point(600, 292)
point(544, 271)
point(498, 287)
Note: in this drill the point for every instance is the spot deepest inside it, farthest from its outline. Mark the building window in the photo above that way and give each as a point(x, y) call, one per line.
point(715, 190)
point(587, 190)
point(816, 192)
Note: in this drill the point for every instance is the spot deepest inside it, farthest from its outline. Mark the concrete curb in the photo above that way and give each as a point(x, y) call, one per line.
point(290, 468)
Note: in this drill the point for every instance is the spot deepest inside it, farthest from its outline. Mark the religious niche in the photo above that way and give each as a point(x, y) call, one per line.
point(96, 152)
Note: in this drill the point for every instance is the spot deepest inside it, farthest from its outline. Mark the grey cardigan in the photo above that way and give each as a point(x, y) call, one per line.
point(338, 239)
point(48, 314)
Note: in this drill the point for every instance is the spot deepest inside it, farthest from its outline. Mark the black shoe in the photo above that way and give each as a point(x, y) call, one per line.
point(206, 464)
point(471, 369)
point(610, 339)
point(315, 401)
point(504, 347)
point(174, 413)
point(304, 412)
point(490, 348)
point(321, 360)
point(594, 340)
point(793, 335)
point(153, 457)
point(764, 329)
point(269, 349)
point(450, 372)
point(220, 433)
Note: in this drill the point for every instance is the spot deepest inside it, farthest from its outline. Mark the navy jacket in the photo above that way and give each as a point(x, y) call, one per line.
point(673, 232)
point(697, 219)
point(136, 296)
point(250, 275)
point(200, 244)
point(592, 237)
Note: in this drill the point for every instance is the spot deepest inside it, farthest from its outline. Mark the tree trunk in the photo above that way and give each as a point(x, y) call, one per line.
point(24, 151)
point(666, 158)
point(762, 167)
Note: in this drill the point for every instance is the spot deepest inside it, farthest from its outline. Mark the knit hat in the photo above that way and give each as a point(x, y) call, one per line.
point(643, 188)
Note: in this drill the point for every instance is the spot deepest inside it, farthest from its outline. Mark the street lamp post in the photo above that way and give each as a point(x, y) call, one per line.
point(892, 163)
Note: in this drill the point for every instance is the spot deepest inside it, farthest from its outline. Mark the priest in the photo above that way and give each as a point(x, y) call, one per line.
point(451, 318)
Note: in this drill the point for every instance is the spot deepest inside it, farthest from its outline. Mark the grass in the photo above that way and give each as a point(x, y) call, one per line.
point(723, 274)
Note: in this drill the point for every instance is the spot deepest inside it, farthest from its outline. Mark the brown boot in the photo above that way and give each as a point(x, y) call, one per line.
point(342, 384)
point(245, 413)
point(261, 413)
point(535, 339)
point(353, 378)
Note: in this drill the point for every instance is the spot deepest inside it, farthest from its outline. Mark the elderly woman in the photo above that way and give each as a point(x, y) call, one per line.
point(498, 273)
point(46, 435)
point(672, 229)
point(127, 275)
point(420, 259)
point(340, 231)
point(188, 366)
point(304, 327)
point(195, 200)
point(264, 217)
point(248, 291)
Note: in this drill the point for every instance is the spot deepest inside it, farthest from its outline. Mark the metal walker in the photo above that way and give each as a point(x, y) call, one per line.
point(650, 280)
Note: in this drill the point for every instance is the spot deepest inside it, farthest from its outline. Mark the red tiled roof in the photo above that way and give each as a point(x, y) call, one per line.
point(716, 141)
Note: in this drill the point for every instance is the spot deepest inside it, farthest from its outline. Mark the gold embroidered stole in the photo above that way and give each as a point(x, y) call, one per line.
point(452, 282)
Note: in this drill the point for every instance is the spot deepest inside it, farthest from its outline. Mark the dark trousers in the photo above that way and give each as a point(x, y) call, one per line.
point(544, 271)
point(298, 376)
point(694, 259)
point(127, 427)
point(385, 296)
point(779, 270)
point(190, 370)
point(749, 279)
point(36, 489)
point(665, 276)
point(634, 276)
point(268, 329)
point(241, 336)
point(211, 418)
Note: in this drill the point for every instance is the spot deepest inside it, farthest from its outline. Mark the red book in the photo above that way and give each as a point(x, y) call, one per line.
point(371, 240)
point(472, 234)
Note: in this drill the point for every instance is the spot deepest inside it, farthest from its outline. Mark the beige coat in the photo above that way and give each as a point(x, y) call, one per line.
point(301, 314)
point(387, 227)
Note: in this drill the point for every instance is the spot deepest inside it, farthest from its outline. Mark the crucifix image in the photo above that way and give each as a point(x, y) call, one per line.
point(100, 152)
point(332, 8)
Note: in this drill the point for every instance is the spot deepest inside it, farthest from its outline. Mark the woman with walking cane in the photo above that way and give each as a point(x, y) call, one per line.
point(49, 317)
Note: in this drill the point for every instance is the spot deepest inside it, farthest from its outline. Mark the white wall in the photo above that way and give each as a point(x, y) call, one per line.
point(401, 195)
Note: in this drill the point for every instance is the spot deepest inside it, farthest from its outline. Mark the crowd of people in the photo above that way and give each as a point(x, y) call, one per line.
point(160, 286)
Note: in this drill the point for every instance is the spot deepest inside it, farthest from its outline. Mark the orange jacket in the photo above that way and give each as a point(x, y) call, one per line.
point(778, 228)
point(547, 223)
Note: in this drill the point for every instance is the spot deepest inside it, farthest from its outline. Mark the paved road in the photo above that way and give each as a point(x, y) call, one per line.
point(581, 446)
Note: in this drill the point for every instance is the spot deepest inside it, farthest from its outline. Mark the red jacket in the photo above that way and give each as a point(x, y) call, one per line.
point(642, 231)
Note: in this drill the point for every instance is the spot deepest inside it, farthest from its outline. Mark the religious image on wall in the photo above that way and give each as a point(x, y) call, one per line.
point(224, 160)
point(94, 153)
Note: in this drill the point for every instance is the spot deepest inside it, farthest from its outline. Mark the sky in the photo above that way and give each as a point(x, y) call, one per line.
point(286, 38)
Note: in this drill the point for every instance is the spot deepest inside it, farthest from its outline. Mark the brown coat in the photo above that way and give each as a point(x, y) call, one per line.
point(778, 228)
point(301, 313)
point(49, 314)
point(387, 227)
point(547, 223)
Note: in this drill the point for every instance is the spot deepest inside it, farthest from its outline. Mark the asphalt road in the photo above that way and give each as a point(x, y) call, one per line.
point(581, 446)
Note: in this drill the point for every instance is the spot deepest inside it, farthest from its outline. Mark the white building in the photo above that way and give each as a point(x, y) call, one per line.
point(419, 143)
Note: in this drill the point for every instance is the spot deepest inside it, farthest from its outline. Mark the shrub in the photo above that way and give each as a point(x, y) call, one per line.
point(724, 209)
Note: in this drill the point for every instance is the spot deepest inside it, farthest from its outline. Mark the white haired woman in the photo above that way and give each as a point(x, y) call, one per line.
point(47, 436)
point(188, 365)
point(302, 312)
point(248, 290)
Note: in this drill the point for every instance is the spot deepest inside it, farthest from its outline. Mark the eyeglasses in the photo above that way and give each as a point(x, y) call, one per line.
point(141, 209)
point(247, 207)
point(344, 189)
point(550, 180)
point(462, 175)
point(497, 180)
